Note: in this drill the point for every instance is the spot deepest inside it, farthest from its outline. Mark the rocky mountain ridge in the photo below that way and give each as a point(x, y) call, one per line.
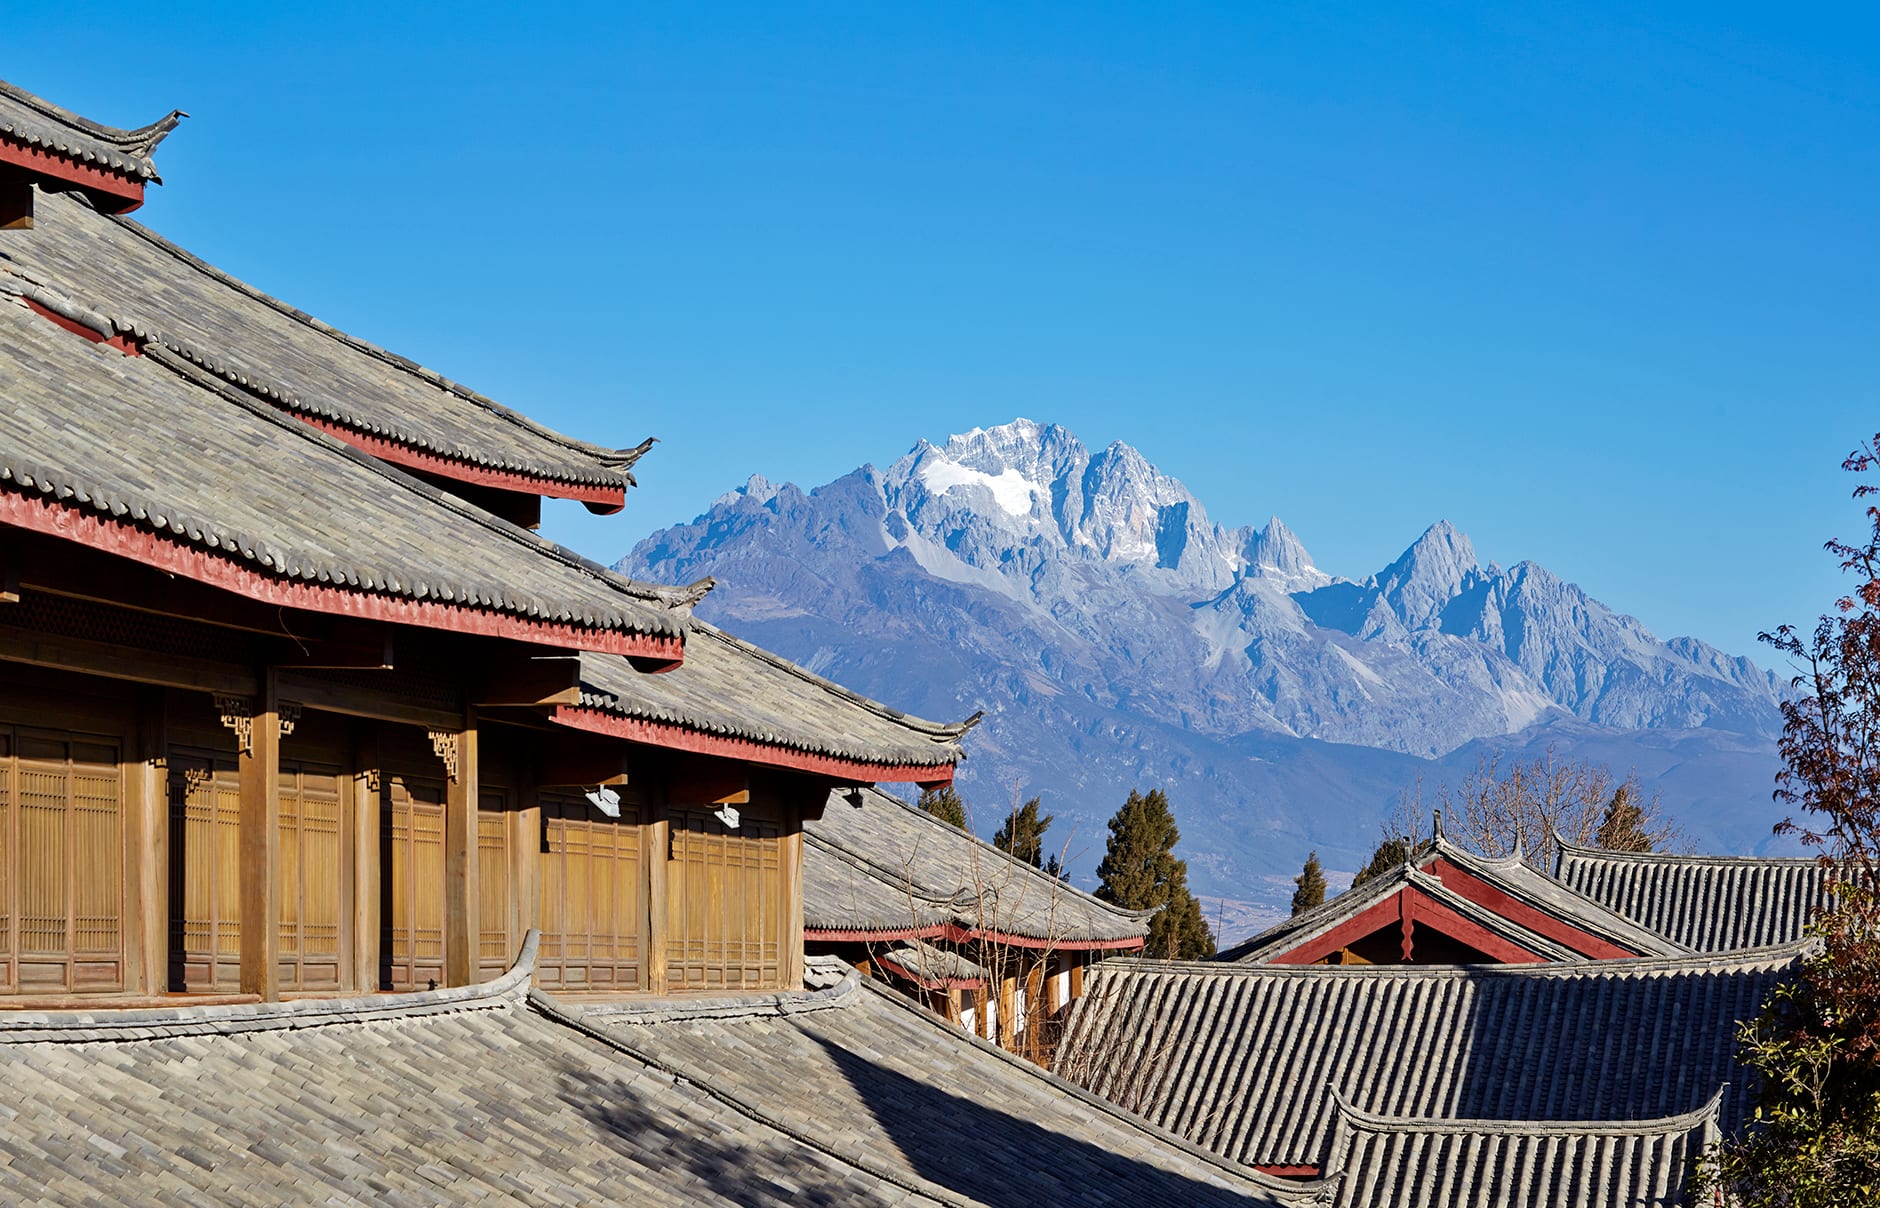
point(1087, 601)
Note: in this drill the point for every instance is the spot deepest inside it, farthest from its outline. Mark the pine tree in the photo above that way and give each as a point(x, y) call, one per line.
point(1140, 872)
point(1623, 828)
point(1023, 833)
point(1389, 854)
point(1310, 885)
point(945, 804)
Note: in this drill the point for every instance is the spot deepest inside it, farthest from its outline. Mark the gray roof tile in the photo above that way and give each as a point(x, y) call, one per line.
point(1243, 1058)
point(142, 441)
point(731, 688)
point(889, 867)
point(1707, 903)
point(156, 291)
point(37, 122)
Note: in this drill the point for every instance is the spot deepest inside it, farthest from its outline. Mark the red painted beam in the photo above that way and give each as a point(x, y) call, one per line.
point(601, 499)
point(680, 738)
point(124, 193)
point(1466, 885)
point(117, 537)
point(1290, 1172)
point(1372, 919)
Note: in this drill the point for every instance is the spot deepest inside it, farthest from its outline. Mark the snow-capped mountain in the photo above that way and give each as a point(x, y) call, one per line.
point(1116, 635)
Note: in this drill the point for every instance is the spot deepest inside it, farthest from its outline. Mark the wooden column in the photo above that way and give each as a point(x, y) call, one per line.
point(792, 857)
point(1077, 977)
point(525, 856)
point(657, 846)
point(259, 738)
point(1008, 1032)
point(368, 791)
point(147, 910)
point(953, 1005)
point(462, 930)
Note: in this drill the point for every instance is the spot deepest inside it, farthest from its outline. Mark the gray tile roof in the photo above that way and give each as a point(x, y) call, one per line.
point(1242, 1058)
point(491, 1095)
point(39, 123)
point(1511, 876)
point(1708, 903)
point(731, 688)
point(931, 965)
point(1394, 1162)
point(883, 1081)
point(157, 292)
point(144, 441)
point(891, 867)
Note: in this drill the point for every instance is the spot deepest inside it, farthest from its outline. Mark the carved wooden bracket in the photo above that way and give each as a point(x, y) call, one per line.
point(238, 714)
point(444, 742)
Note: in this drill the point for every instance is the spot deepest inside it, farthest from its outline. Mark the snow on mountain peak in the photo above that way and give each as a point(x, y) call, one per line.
point(1009, 488)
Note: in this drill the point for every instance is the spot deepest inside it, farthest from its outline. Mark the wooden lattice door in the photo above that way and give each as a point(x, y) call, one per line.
point(205, 874)
point(411, 950)
point(725, 903)
point(592, 895)
point(61, 862)
point(496, 946)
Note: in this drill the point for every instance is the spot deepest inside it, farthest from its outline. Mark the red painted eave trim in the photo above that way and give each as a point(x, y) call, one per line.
point(1465, 885)
point(959, 934)
point(600, 499)
point(681, 738)
point(124, 193)
point(1291, 1172)
point(867, 936)
point(116, 537)
point(933, 983)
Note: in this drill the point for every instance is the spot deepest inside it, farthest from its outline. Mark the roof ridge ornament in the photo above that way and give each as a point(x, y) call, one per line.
point(143, 140)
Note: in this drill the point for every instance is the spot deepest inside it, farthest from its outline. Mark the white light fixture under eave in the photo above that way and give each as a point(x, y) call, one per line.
point(605, 800)
point(728, 814)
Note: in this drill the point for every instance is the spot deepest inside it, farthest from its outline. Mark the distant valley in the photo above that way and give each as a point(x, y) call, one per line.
point(1116, 637)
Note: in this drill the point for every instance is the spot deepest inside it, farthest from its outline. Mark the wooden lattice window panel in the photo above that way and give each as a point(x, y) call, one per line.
point(411, 949)
point(495, 945)
point(725, 903)
point(593, 894)
point(205, 874)
point(61, 862)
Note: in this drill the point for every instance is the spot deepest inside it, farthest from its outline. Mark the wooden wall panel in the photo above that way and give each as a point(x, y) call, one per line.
point(411, 944)
point(62, 875)
point(593, 891)
point(726, 903)
point(205, 850)
point(496, 946)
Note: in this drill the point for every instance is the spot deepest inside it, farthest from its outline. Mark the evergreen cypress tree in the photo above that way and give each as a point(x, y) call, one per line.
point(1388, 855)
point(945, 804)
point(1140, 872)
point(1623, 828)
point(1023, 833)
point(1310, 886)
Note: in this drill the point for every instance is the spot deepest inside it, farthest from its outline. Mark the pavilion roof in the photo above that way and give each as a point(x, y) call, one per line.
point(1436, 1163)
point(1707, 903)
point(885, 869)
point(1244, 1059)
point(150, 290)
point(1524, 906)
point(840, 1094)
point(151, 457)
point(753, 705)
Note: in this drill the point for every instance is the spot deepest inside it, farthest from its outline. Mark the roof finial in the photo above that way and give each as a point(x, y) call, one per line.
point(1436, 823)
point(144, 141)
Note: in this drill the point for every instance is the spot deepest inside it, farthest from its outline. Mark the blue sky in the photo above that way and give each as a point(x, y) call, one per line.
point(1598, 287)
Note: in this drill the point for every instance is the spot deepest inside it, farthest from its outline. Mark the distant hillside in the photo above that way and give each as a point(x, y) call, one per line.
point(1116, 636)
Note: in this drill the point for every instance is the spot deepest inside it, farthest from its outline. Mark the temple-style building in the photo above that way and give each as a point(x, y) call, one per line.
point(358, 845)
